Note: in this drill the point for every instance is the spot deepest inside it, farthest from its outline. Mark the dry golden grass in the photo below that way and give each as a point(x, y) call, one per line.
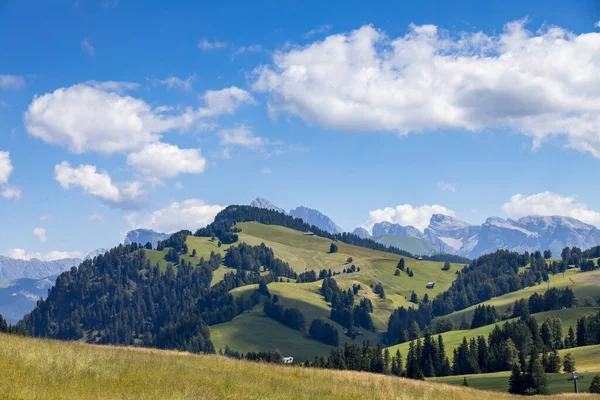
point(46, 369)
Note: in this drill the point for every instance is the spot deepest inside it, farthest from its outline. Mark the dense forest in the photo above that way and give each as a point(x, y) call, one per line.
point(120, 298)
point(224, 228)
point(488, 276)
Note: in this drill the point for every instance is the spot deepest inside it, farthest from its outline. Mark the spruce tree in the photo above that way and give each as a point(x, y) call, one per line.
point(595, 385)
point(569, 363)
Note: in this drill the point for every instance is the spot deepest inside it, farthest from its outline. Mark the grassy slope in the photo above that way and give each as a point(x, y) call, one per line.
point(453, 339)
point(411, 244)
point(587, 361)
point(312, 253)
point(582, 283)
point(36, 368)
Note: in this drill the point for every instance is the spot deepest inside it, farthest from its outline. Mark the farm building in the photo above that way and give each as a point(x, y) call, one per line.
point(430, 285)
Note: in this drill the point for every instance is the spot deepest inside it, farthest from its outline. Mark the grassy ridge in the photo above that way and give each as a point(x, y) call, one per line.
point(583, 284)
point(47, 369)
point(587, 362)
point(453, 339)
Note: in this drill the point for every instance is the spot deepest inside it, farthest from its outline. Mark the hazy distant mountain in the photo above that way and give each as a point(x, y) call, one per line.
point(451, 234)
point(18, 297)
point(264, 203)
point(536, 233)
point(11, 269)
point(362, 233)
point(530, 233)
point(316, 218)
point(387, 228)
point(411, 244)
point(94, 253)
point(143, 236)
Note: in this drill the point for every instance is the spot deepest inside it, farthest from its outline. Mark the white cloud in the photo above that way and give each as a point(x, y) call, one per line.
point(94, 116)
point(241, 136)
point(11, 82)
point(21, 254)
point(114, 86)
point(189, 214)
point(547, 204)
point(45, 217)
point(100, 185)
point(6, 167)
point(406, 214)
point(40, 233)
point(225, 101)
point(540, 84)
point(95, 218)
point(162, 160)
point(174, 82)
point(253, 48)
point(266, 171)
point(88, 48)
point(597, 24)
point(205, 45)
point(322, 29)
point(12, 192)
point(446, 187)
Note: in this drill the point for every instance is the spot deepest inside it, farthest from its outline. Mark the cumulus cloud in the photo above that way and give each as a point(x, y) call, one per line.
point(163, 160)
point(20, 254)
point(95, 116)
point(205, 45)
point(11, 82)
point(446, 187)
point(547, 204)
point(225, 101)
point(6, 167)
point(99, 184)
point(540, 84)
point(406, 214)
point(241, 136)
point(189, 214)
point(11, 192)
point(40, 233)
point(88, 48)
point(597, 24)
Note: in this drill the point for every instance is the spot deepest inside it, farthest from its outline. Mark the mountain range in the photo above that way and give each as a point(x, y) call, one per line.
point(452, 235)
point(143, 236)
point(19, 296)
point(308, 215)
point(11, 268)
point(528, 233)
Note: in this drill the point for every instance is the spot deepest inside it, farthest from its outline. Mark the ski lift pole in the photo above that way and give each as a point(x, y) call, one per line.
point(575, 378)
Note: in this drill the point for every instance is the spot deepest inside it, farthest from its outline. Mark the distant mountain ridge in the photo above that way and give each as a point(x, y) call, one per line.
point(528, 233)
point(308, 215)
point(143, 236)
point(19, 296)
point(264, 203)
point(11, 268)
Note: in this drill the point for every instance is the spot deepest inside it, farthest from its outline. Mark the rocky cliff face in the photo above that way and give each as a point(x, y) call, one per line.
point(316, 218)
point(264, 203)
point(143, 236)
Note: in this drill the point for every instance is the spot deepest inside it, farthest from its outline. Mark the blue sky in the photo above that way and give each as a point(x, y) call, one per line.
point(122, 114)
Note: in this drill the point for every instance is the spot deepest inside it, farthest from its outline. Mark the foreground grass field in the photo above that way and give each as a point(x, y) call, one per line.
point(45, 369)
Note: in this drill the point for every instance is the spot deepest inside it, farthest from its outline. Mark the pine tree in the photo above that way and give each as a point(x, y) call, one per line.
point(537, 377)
point(595, 385)
point(465, 383)
point(413, 370)
point(569, 363)
point(516, 382)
